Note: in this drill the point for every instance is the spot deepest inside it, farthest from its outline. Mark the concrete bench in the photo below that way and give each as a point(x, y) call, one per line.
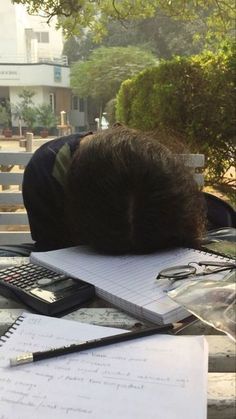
point(222, 351)
point(13, 218)
point(14, 222)
point(221, 376)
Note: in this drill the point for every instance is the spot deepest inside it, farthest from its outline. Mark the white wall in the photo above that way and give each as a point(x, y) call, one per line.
point(8, 43)
point(21, 22)
point(14, 46)
point(37, 98)
point(34, 75)
point(55, 46)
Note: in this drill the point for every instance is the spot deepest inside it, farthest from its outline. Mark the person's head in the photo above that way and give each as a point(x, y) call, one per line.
point(127, 193)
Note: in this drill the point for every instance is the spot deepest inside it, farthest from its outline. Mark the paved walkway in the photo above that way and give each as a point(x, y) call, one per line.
point(14, 142)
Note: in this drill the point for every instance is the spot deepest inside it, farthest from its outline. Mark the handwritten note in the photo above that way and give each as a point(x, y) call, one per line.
point(159, 376)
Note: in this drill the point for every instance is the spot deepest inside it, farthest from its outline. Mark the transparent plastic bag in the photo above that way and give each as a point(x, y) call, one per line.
point(212, 301)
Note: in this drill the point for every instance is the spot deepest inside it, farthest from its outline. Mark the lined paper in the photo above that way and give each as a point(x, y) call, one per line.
point(160, 376)
point(129, 281)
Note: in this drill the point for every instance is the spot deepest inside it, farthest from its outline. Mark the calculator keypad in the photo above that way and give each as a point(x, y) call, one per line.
point(27, 275)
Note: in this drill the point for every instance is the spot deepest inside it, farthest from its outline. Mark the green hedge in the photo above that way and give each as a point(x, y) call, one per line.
point(194, 96)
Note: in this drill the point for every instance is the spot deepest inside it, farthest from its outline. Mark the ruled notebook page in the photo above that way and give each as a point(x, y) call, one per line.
point(160, 376)
point(128, 281)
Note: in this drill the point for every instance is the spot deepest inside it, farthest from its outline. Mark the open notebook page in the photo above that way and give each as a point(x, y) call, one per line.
point(158, 376)
point(128, 281)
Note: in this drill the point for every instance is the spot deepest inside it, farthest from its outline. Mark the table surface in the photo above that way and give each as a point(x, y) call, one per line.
point(222, 350)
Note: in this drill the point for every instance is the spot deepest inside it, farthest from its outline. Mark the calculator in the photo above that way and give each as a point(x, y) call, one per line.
point(44, 290)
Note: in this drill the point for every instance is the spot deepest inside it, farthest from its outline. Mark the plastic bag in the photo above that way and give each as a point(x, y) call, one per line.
point(212, 301)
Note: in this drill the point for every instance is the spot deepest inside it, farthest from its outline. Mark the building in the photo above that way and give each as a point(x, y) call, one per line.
point(31, 58)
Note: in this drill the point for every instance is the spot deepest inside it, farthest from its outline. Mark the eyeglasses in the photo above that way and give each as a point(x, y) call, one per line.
point(175, 273)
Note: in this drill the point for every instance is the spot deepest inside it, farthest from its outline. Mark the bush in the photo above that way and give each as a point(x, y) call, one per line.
point(5, 116)
point(193, 96)
point(124, 101)
point(46, 117)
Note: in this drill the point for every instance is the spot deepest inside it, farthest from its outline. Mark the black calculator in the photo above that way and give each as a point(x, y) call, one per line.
point(43, 290)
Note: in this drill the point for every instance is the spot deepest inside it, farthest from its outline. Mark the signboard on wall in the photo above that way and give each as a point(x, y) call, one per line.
point(9, 74)
point(57, 74)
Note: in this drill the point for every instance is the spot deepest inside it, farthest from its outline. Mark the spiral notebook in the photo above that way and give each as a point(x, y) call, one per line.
point(128, 282)
point(157, 376)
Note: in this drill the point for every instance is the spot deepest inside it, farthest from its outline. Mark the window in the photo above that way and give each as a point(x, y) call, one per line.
point(42, 37)
point(81, 105)
point(57, 73)
point(75, 105)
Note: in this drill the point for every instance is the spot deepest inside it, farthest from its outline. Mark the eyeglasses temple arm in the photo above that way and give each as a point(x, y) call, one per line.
point(231, 265)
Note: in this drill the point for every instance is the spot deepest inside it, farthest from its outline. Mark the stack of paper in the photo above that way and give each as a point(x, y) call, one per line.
point(160, 376)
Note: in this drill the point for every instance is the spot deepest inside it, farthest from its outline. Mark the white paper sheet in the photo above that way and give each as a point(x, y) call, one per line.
point(160, 376)
point(129, 281)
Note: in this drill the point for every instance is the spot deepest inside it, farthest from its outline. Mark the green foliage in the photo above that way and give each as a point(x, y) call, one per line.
point(162, 35)
point(73, 49)
point(194, 96)
point(25, 109)
point(75, 15)
point(125, 98)
point(26, 97)
point(102, 74)
point(29, 115)
point(5, 115)
point(46, 117)
point(32, 115)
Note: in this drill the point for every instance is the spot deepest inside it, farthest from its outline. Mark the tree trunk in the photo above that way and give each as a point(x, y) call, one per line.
point(100, 117)
point(20, 127)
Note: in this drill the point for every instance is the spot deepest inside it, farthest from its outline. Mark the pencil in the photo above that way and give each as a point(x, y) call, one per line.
point(95, 343)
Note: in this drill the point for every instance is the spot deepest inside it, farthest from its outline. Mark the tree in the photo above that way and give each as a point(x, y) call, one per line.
point(5, 114)
point(75, 15)
point(163, 36)
point(194, 96)
point(72, 50)
point(102, 74)
point(25, 110)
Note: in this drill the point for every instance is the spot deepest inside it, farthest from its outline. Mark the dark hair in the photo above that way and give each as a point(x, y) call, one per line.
point(127, 193)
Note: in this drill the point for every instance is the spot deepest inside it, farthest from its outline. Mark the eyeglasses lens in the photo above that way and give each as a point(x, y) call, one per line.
point(177, 272)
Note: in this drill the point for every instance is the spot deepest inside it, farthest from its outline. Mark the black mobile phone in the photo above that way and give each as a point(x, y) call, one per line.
point(44, 290)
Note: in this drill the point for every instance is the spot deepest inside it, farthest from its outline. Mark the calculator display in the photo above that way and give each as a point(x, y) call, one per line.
point(44, 290)
point(60, 284)
point(56, 289)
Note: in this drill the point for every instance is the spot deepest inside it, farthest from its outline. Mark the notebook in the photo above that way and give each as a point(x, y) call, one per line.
point(128, 281)
point(160, 376)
